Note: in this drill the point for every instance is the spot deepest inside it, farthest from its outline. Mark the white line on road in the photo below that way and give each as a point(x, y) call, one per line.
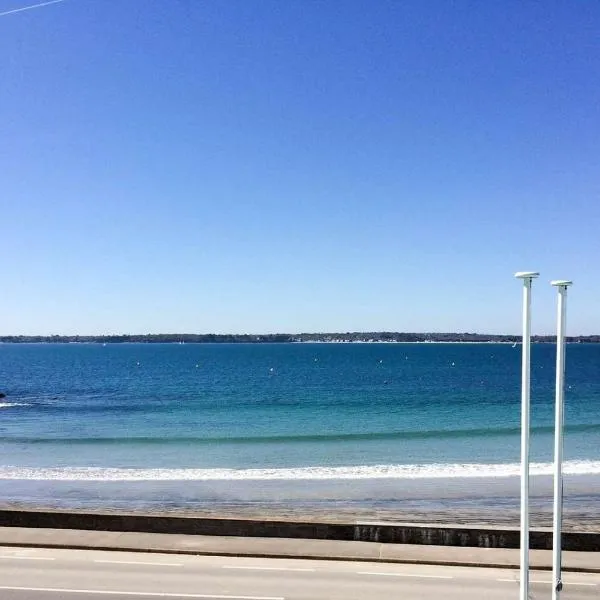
point(404, 575)
point(517, 581)
point(138, 562)
point(565, 583)
point(251, 568)
point(26, 558)
point(147, 594)
point(530, 581)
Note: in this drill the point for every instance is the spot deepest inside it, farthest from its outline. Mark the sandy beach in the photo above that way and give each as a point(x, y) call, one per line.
point(476, 501)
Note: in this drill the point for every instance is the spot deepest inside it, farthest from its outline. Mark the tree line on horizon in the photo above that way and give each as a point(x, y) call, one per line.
point(212, 338)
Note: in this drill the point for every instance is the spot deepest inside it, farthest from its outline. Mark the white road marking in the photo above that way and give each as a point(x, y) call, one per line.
point(138, 562)
point(153, 594)
point(251, 568)
point(530, 581)
point(404, 575)
point(565, 583)
point(15, 557)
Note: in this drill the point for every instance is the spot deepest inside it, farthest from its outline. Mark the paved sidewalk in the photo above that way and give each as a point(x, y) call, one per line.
point(290, 548)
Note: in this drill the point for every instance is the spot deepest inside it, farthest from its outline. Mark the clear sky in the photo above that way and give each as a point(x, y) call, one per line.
point(286, 166)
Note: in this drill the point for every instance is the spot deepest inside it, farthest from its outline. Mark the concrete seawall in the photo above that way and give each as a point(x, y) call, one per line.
point(392, 533)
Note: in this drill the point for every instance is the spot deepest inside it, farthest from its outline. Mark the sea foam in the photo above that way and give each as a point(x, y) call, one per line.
point(411, 471)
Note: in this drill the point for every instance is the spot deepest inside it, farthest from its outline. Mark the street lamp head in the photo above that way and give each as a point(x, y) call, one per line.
point(527, 274)
point(561, 283)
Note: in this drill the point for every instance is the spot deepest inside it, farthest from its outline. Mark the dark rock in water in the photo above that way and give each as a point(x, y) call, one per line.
point(2, 395)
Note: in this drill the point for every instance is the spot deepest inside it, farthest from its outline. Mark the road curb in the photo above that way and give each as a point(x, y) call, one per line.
point(423, 534)
point(300, 556)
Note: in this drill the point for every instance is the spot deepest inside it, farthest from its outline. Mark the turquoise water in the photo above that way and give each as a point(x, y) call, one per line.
point(297, 405)
point(211, 412)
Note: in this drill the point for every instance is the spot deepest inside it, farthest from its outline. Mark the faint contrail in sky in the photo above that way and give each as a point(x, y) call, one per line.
point(16, 10)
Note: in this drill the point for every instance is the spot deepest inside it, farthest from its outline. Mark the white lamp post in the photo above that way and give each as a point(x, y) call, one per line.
point(561, 319)
point(527, 277)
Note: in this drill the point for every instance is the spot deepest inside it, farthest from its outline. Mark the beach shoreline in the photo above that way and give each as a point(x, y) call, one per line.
point(472, 501)
point(539, 518)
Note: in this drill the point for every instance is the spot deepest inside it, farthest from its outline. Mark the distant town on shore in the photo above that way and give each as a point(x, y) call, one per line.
point(283, 338)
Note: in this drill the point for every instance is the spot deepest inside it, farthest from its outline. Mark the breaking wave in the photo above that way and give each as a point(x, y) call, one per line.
point(411, 471)
point(433, 434)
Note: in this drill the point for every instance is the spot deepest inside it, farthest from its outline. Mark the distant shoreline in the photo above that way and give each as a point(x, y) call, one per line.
point(336, 342)
point(383, 337)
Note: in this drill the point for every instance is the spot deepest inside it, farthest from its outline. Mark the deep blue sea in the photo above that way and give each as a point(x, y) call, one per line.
point(226, 413)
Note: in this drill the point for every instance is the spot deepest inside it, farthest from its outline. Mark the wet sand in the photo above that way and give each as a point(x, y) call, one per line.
point(475, 501)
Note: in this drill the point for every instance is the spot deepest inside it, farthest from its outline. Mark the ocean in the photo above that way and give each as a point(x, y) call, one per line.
point(346, 430)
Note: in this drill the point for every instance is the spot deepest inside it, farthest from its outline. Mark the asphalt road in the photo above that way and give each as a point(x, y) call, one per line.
point(41, 574)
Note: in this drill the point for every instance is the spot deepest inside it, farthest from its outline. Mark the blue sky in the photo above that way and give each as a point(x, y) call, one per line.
point(267, 166)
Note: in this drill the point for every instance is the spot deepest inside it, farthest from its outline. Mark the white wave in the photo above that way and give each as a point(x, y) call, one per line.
point(431, 471)
point(9, 404)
